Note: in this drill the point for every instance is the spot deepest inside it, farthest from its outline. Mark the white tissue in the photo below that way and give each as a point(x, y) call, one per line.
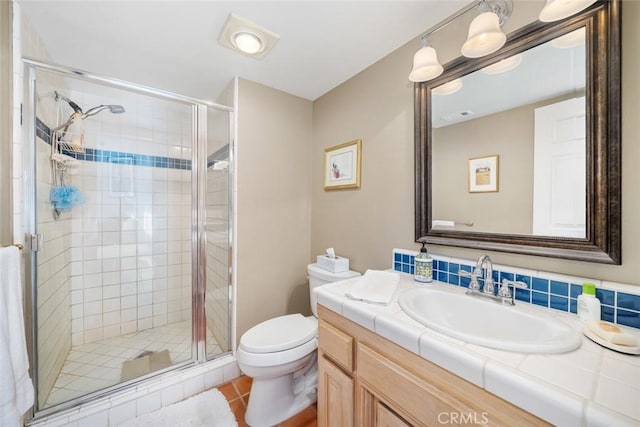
point(442, 223)
point(331, 253)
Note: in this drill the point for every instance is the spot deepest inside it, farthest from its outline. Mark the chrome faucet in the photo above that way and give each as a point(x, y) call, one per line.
point(489, 286)
point(504, 295)
point(474, 285)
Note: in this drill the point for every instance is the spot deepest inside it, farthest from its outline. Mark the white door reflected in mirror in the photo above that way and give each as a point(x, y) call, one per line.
point(559, 170)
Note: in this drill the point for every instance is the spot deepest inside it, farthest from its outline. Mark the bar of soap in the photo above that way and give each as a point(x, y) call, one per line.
point(612, 333)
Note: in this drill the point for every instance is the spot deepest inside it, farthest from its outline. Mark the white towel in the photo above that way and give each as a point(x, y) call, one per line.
point(16, 388)
point(375, 286)
point(442, 223)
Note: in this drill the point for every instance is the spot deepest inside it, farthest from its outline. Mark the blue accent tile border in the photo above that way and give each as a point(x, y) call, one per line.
point(403, 262)
point(617, 307)
point(105, 156)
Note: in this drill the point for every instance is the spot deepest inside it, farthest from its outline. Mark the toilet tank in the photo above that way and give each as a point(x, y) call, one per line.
point(320, 277)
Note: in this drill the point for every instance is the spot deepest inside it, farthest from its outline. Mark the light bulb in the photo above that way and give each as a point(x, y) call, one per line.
point(425, 65)
point(247, 42)
point(485, 36)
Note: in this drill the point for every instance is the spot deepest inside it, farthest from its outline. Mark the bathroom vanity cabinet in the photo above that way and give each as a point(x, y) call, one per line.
point(366, 380)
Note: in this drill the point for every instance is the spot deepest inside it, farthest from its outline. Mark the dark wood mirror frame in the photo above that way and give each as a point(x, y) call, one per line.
point(603, 152)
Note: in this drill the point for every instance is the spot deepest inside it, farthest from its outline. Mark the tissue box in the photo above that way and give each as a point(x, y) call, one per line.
point(334, 265)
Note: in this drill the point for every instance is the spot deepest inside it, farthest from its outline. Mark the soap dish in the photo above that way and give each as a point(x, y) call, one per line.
point(615, 347)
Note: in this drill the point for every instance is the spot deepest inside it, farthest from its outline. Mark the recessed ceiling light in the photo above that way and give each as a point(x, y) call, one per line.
point(247, 42)
point(246, 37)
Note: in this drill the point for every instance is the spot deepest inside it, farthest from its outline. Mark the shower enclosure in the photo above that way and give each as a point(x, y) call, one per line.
point(129, 270)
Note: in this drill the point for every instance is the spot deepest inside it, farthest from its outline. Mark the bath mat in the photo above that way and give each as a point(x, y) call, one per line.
point(144, 363)
point(208, 409)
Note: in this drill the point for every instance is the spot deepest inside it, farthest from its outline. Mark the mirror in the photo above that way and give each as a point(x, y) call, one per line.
point(520, 151)
point(538, 132)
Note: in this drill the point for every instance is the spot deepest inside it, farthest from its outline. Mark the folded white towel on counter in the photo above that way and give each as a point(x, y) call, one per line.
point(375, 286)
point(16, 388)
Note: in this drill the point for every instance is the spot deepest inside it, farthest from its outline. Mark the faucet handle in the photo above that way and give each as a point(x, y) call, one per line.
point(505, 292)
point(465, 273)
point(474, 285)
point(515, 283)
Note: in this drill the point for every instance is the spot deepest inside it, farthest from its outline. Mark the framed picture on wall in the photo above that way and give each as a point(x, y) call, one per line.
point(483, 174)
point(342, 165)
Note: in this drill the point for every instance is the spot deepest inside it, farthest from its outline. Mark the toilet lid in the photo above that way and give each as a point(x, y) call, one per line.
point(280, 333)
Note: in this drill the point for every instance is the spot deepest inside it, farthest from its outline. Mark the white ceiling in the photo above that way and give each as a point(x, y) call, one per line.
point(545, 72)
point(172, 45)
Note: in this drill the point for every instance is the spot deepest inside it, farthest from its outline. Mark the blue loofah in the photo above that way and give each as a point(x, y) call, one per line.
point(65, 198)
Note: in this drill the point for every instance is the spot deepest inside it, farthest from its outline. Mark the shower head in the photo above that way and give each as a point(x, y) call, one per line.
point(115, 109)
point(78, 114)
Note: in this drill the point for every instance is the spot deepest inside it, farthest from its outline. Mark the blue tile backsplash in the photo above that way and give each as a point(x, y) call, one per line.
point(106, 156)
point(617, 307)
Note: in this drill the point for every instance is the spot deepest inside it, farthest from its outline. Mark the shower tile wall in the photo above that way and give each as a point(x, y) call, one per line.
point(54, 320)
point(53, 275)
point(217, 298)
point(130, 242)
point(217, 311)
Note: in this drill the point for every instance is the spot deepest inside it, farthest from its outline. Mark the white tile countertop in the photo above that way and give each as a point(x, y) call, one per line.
point(591, 386)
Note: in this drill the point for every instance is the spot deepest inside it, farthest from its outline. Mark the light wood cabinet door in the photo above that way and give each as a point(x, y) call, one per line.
point(335, 395)
point(386, 418)
point(337, 345)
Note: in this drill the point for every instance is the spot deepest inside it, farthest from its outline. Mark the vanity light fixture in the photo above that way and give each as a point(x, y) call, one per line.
point(246, 37)
point(555, 10)
point(484, 37)
point(425, 64)
point(503, 66)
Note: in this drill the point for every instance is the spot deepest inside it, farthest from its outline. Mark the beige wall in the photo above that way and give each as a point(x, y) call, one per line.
point(274, 203)
point(508, 134)
point(376, 105)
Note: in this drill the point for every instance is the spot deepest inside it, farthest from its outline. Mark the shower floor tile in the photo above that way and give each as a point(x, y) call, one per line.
point(94, 366)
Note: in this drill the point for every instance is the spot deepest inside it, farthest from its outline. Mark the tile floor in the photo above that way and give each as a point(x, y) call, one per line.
point(94, 366)
point(237, 394)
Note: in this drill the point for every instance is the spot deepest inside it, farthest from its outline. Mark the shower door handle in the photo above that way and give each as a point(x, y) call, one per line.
point(37, 242)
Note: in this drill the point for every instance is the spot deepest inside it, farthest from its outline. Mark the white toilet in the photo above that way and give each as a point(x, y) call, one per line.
point(280, 355)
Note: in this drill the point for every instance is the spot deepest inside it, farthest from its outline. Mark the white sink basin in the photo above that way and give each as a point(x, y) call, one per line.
point(489, 324)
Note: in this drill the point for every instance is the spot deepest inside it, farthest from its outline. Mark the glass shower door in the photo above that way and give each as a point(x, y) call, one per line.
point(114, 288)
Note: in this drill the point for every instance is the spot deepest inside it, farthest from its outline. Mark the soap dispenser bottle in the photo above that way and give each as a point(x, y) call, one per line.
point(588, 304)
point(423, 266)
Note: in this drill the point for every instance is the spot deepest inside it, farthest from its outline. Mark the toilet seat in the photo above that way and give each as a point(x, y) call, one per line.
point(278, 341)
point(278, 357)
point(280, 333)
